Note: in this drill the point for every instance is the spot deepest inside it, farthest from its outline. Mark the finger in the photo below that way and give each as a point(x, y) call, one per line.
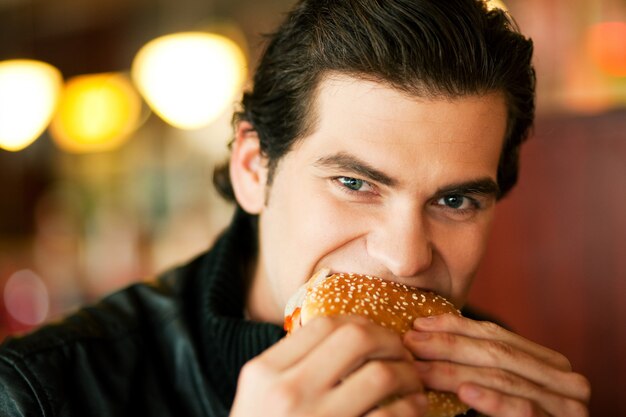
point(446, 376)
point(294, 347)
point(348, 347)
point(494, 354)
point(490, 331)
point(495, 404)
point(370, 385)
point(407, 406)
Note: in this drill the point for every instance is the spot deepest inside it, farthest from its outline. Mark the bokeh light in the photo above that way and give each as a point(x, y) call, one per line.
point(29, 92)
point(97, 112)
point(496, 4)
point(606, 45)
point(189, 78)
point(26, 298)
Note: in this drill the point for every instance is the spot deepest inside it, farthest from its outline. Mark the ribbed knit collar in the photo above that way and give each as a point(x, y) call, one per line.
point(229, 340)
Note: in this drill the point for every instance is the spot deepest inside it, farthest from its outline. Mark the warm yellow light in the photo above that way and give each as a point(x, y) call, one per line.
point(96, 113)
point(28, 95)
point(189, 78)
point(496, 4)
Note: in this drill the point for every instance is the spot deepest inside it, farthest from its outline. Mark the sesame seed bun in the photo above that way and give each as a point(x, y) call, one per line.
point(388, 304)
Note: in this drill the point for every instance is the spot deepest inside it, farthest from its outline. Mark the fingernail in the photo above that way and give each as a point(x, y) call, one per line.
point(424, 321)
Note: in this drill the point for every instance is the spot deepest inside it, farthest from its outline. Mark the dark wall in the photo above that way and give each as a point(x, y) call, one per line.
point(556, 268)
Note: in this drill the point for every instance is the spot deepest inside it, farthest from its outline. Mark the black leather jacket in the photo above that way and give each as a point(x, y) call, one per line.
point(170, 348)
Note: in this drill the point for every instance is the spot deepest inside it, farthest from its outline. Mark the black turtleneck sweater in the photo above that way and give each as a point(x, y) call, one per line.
point(173, 347)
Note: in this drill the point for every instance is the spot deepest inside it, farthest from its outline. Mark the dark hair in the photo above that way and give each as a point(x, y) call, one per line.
point(428, 48)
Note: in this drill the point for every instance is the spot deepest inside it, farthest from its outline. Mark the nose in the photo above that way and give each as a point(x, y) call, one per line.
point(402, 244)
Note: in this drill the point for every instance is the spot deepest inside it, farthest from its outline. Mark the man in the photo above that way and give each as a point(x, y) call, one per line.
point(377, 138)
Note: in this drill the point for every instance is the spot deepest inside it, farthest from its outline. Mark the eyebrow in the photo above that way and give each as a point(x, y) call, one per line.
point(483, 186)
point(344, 161)
point(351, 163)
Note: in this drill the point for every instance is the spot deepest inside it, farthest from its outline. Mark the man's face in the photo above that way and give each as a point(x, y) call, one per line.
point(388, 184)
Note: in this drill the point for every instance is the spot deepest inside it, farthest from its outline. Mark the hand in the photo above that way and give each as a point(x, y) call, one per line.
point(340, 366)
point(494, 371)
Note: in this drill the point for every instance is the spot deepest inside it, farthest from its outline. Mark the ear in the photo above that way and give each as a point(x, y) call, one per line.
point(248, 171)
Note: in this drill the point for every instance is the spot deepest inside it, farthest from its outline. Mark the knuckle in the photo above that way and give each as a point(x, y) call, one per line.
point(357, 335)
point(491, 328)
point(448, 339)
point(445, 368)
point(324, 324)
point(255, 370)
point(505, 379)
point(456, 320)
point(283, 398)
point(382, 375)
point(283, 395)
point(498, 350)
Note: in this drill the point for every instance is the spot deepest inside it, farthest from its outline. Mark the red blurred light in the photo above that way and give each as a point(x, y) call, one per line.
point(26, 298)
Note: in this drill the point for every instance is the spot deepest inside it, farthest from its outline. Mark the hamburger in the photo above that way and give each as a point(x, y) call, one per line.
point(389, 304)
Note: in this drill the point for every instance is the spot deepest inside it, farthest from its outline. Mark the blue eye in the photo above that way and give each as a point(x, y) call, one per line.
point(454, 201)
point(351, 183)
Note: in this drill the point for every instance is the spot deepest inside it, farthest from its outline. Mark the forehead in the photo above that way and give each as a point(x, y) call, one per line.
point(391, 129)
point(373, 100)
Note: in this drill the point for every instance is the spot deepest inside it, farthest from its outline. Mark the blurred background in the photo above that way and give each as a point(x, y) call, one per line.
point(106, 160)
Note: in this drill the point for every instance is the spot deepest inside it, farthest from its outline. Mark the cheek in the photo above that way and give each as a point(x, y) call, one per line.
point(462, 249)
point(300, 228)
point(327, 224)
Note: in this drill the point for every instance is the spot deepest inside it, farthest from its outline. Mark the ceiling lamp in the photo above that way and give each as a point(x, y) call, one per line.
point(28, 95)
point(189, 78)
point(97, 112)
point(606, 45)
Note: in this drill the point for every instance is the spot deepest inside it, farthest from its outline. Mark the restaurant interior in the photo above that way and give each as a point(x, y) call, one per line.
point(107, 157)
